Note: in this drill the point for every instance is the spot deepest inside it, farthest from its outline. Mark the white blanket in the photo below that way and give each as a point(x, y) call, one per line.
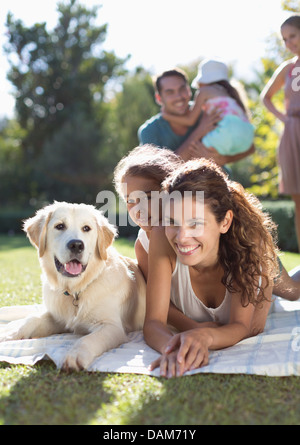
point(275, 352)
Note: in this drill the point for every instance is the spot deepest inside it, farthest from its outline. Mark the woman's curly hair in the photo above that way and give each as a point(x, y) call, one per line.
point(247, 251)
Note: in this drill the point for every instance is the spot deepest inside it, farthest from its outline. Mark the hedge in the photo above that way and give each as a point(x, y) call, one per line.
point(282, 212)
point(11, 222)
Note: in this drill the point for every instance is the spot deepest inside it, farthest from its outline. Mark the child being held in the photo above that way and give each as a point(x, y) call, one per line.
point(234, 133)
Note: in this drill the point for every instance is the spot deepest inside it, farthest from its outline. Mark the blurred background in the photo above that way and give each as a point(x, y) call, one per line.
point(76, 83)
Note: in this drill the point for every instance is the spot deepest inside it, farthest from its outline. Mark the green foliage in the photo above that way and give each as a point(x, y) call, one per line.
point(13, 170)
point(283, 214)
point(291, 5)
point(129, 108)
point(263, 169)
point(60, 78)
point(78, 112)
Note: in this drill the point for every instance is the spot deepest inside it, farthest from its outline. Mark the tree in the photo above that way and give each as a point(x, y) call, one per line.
point(13, 173)
point(291, 5)
point(60, 78)
point(262, 171)
point(129, 109)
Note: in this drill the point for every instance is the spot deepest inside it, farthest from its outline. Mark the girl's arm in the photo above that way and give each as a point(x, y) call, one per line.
point(156, 332)
point(273, 86)
point(142, 258)
point(192, 116)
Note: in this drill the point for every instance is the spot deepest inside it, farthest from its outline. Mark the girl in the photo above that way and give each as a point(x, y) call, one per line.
point(135, 177)
point(288, 75)
point(234, 133)
point(221, 277)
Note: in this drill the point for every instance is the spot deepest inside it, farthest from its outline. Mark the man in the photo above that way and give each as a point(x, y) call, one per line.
point(173, 93)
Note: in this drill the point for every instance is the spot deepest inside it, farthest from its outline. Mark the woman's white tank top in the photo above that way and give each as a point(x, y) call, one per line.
point(185, 299)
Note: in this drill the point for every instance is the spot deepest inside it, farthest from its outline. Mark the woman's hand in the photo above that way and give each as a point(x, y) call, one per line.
point(184, 352)
point(168, 364)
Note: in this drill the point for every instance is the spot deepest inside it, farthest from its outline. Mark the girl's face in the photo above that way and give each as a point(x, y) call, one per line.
point(291, 37)
point(137, 194)
point(195, 238)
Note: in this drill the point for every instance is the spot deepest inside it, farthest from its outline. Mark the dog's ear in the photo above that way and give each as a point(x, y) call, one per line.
point(36, 230)
point(106, 234)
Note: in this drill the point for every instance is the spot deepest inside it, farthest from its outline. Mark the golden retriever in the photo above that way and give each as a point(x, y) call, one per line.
point(88, 287)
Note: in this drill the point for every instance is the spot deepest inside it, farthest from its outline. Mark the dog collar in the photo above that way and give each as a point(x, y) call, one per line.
point(75, 297)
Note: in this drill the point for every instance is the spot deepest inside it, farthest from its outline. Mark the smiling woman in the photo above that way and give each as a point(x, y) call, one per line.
point(218, 270)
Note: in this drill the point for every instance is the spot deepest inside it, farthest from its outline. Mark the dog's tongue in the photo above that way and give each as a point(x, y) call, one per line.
point(73, 267)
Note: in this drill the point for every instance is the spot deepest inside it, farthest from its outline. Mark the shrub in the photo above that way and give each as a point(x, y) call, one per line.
point(283, 214)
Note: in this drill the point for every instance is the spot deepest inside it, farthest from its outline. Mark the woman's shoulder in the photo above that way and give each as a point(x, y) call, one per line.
point(285, 66)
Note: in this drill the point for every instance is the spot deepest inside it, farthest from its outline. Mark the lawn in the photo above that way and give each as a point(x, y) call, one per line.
point(42, 395)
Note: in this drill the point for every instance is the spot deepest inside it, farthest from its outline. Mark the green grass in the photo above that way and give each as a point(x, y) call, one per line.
point(42, 395)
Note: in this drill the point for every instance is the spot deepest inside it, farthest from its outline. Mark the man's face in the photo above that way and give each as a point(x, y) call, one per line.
point(174, 96)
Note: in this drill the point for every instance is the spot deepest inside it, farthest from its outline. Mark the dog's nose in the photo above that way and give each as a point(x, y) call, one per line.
point(75, 245)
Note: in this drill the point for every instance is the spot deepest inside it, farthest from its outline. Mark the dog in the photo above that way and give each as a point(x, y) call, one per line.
point(88, 287)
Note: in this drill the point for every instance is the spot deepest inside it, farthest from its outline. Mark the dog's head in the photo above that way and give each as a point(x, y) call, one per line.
point(70, 239)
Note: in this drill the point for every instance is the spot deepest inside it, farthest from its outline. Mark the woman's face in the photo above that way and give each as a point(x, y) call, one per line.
point(137, 194)
point(194, 233)
point(291, 37)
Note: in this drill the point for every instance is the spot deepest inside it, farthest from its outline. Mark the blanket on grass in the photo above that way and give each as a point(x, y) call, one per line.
point(275, 352)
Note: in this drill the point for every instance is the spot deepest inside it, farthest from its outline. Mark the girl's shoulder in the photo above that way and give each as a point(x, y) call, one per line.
point(159, 244)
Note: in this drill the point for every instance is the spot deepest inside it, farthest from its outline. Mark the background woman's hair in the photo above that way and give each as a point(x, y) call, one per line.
point(294, 20)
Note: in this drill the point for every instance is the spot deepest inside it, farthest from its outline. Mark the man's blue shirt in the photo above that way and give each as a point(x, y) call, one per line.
point(157, 131)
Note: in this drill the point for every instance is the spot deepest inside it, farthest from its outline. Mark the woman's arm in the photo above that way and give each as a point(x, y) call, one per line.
point(175, 317)
point(190, 348)
point(273, 86)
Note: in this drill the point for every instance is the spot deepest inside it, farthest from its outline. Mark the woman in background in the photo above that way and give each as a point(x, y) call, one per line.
point(287, 75)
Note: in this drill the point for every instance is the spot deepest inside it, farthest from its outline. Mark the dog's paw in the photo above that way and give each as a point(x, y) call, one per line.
point(30, 329)
point(77, 359)
point(14, 334)
point(9, 337)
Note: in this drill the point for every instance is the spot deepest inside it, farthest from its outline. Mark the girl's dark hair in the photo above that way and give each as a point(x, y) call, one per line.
point(148, 161)
point(232, 92)
point(247, 251)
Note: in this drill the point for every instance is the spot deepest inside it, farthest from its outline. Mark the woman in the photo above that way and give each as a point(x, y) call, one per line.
point(218, 268)
point(288, 76)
